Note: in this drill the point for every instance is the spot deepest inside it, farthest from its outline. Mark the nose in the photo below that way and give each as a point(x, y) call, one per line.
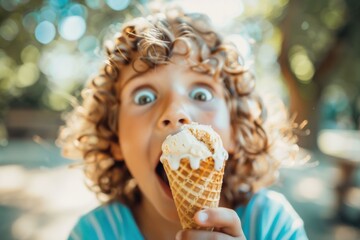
point(173, 116)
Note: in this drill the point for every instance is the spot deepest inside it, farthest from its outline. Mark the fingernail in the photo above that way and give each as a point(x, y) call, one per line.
point(202, 216)
point(178, 236)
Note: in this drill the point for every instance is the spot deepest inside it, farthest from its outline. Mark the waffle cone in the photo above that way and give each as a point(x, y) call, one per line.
point(194, 189)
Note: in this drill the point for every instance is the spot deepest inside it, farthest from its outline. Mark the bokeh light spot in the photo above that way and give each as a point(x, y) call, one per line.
point(48, 14)
point(268, 55)
point(58, 3)
point(63, 66)
point(335, 94)
point(353, 198)
point(283, 3)
point(94, 4)
point(118, 5)
point(77, 10)
point(30, 21)
point(8, 5)
point(5, 74)
point(334, 15)
point(27, 75)
point(333, 19)
point(310, 188)
point(88, 44)
point(305, 25)
point(30, 54)
point(45, 32)
point(9, 30)
point(72, 28)
point(55, 101)
point(11, 178)
point(276, 40)
point(301, 64)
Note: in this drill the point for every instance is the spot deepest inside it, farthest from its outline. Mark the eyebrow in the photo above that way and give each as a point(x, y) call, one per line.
point(137, 74)
point(131, 78)
point(128, 81)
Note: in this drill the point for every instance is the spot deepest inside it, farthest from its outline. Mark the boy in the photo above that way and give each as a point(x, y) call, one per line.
point(163, 71)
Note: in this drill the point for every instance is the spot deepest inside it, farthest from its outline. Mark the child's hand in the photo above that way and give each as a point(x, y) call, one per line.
point(225, 221)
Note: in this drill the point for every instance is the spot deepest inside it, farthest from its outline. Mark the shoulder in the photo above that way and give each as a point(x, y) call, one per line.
point(270, 215)
point(109, 221)
point(271, 202)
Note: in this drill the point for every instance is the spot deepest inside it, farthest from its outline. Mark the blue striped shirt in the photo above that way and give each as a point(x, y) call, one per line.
point(268, 215)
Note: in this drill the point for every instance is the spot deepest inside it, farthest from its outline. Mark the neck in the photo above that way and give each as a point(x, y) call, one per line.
point(151, 224)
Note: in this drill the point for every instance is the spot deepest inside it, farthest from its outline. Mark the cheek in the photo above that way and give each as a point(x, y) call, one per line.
point(130, 143)
point(128, 132)
point(135, 132)
point(223, 126)
point(222, 118)
point(219, 119)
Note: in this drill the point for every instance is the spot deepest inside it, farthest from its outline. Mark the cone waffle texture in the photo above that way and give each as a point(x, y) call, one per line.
point(194, 189)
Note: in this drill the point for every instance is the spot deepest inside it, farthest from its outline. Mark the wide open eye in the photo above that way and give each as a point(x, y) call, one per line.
point(201, 94)
point(144, 96)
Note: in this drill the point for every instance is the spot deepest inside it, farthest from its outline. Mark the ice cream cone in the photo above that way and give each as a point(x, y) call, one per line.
point(194, 189)
point(194, 162)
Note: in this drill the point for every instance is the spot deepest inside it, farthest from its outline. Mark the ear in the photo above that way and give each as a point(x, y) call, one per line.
point(116, 151)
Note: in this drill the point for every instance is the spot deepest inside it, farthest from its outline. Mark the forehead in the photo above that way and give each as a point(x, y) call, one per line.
point(177, 65)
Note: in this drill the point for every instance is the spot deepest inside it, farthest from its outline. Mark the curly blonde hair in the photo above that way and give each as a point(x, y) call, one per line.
point(263, 132)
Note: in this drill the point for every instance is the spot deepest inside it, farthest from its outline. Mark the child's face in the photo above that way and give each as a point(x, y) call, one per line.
point(154, 105)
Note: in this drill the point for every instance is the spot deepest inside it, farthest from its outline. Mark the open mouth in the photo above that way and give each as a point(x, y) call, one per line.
point(160, 171)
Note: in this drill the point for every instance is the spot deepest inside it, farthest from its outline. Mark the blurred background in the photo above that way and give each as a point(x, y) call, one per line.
point(305, 51)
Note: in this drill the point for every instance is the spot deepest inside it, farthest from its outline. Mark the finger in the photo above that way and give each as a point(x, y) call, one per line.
point(201, 234)
point(224, 219)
